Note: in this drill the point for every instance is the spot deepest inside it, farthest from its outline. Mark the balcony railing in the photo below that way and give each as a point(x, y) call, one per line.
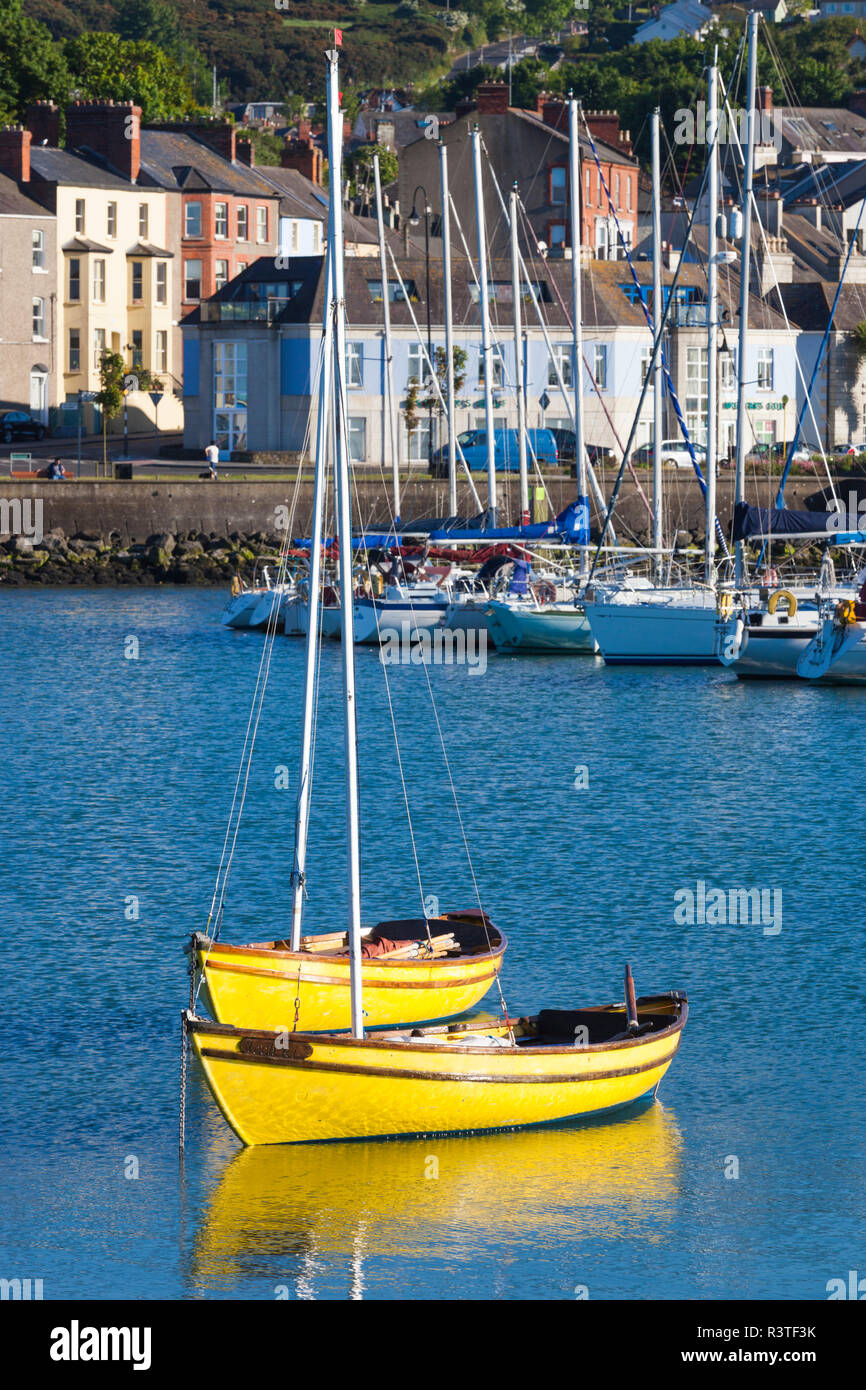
point(242, 311)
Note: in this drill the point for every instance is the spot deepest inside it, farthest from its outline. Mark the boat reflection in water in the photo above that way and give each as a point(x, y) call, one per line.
point(299, 1216)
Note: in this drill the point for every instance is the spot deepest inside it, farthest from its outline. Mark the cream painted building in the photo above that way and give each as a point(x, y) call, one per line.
point(114, 269)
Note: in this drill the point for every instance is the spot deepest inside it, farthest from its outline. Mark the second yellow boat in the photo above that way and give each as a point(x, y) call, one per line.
point(432, 970)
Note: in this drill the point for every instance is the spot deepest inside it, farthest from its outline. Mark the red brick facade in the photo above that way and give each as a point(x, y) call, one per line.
point(234, 248)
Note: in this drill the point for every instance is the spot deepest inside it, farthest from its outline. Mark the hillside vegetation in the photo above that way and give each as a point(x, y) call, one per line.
point(263, 52)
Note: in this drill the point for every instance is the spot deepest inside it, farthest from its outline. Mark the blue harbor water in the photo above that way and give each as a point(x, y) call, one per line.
point(744, 1180)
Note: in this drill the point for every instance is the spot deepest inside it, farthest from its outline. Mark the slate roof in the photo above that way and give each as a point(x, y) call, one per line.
point(84, 244)
point(14, 203)
point(407, 125)
point(173, 160)
point(811, 303)
point(605, 151)
point(827, 128)
point(53, 165)
point(142, 248)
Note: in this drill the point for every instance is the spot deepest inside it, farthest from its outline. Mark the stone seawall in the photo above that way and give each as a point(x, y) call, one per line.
point(193, 531)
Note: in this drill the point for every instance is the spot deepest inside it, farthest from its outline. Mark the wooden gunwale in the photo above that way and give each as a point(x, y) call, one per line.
point(344, 1040)
point(405, 1074)
point(231, 949)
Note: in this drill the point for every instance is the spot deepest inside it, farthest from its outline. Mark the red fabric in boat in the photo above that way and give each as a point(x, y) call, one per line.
point(379, 946)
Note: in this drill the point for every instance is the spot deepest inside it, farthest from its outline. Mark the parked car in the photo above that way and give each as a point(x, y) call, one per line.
point(848, 450)
point(675, 454)
point(16, 424)
point(473, 445)
point(780, 451)
point(566, 444)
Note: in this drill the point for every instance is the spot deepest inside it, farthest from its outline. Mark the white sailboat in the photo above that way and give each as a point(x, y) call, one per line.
point(638, 621)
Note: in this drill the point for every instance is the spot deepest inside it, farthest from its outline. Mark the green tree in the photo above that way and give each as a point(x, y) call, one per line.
point(148, 19)
point(32, 66)
point(109, 398)
point(459, 357)
point(599, 16)
point(359, 166)
point(107, 66)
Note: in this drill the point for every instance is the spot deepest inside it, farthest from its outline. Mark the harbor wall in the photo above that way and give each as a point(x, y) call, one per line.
point(135, 511)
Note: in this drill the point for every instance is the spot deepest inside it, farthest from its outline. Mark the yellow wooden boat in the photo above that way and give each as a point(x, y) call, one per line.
point(430, 975)
point(293, 1087)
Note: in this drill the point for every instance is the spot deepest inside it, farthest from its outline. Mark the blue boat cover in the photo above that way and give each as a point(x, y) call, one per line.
point(572, 526)
point(519, 579)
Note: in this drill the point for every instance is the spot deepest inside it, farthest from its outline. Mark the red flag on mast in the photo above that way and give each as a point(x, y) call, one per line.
point(338, 36)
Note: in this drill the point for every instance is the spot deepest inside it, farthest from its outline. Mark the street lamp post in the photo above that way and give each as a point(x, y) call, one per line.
point(414, 219)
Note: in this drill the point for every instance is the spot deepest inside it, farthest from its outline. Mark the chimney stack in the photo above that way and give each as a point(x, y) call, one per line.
point(246, 152)
point(110, 129)
point(554, 112)
point(492, 98)
point(15, 152)
point(605, 127)
point(304, 156)
point(42, 119)
point(808, 208)
point(770, 211)
point(764, 98)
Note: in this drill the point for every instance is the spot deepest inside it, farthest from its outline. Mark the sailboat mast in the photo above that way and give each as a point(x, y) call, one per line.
point(577, 317)
point(389, 357)
point(449, 328)
point(344, 535)
point(745, 260)
point(712, 318)
point(518, 362)
point(658, 370)
point(302, 812)
point(486, 349)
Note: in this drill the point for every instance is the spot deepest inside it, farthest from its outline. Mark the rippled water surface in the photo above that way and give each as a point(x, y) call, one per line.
point(118, 776)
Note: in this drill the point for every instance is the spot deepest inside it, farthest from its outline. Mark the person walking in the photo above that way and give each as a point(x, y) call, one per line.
point(212, 455)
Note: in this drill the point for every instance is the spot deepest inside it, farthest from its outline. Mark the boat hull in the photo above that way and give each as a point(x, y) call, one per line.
point(467, 615)
point(772, 652)
point(302, 1088)
point(542, 629)
point(375, 619)
point(646, 633)
point(256, 987)
point(239, 611)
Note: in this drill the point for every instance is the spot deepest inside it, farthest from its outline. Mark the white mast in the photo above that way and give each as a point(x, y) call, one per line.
point(344, 533)
point(389, 358)
point(744, 281)
point(658, 371)
point(449, 328)
point(302, 813)
point(712, 317)
point(518, 361)
point(486, 350)
point(577, 315)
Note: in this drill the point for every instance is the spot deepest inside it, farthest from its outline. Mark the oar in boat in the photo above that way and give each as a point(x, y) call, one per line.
point(630, 1002)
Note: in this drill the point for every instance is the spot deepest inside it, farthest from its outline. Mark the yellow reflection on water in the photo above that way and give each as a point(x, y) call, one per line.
point(280, 1209)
